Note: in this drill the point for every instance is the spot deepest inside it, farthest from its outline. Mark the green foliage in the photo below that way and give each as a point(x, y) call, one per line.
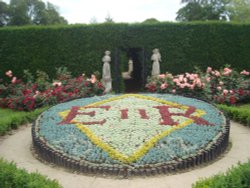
point(29, 12)
point(11, 176)
point(240, 10)
point(203, 10)
point(151, 21)
point(239, 114)
point(81, 47)
point(10, 119)
point(4, 12)
point(238, 176)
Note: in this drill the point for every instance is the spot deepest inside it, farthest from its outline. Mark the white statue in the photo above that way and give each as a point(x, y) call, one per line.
point(156, 58)
point(106, 72)
point(127, 75)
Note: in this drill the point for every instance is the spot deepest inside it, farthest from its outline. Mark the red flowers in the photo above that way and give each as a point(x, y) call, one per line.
point(27, 96)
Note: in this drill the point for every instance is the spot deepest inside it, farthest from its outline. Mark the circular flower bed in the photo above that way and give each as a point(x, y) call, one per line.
point(131, 134)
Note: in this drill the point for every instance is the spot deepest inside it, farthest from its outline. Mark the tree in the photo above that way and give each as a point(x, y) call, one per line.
point(4, 13)
point(151, 20)
point(36, 12)
point(203, 10)
point(240, 10)
point(19, 13)
point(109, 19)
point(93, 20)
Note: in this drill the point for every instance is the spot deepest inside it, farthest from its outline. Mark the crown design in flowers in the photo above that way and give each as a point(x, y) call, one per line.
point(128, 126)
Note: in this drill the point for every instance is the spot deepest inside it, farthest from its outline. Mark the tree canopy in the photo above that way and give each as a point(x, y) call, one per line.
point(203, 10)
point(29, 12)
point(240, 10)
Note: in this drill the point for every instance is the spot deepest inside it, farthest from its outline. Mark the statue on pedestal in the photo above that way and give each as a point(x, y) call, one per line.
point(156, 58)
point(127, 75)
point(106, 72)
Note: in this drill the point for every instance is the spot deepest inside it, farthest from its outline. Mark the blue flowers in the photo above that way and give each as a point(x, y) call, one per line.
point(179, 144)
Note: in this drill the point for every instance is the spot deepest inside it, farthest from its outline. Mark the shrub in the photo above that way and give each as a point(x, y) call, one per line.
point(226, 86)
point(13, 119)
point(238, 176)
point(11, 176)
point(237, 114)
point(28, 96)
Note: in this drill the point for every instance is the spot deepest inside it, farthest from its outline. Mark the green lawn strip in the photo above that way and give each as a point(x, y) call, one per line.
point(238, 176)
point(10, 119)
point(11, 176)
point(240, 114)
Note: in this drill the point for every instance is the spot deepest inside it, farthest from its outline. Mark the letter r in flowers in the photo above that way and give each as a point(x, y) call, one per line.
point(167, 116)
point(69, 119)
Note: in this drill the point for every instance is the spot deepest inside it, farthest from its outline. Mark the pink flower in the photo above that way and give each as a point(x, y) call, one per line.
point(209, 69)
point(13, 81)
point(175, 80)
point(244, 72)
point(173, 91)
point(225, 92)
point(216, 73)
point(191, 77)
point(227, 71)
point(219, 88)
point(36, 94)
point(208, 79)
point(182, 86)
point(181, 77)
point(162, 76)
point(9, 73)
point(93, 79)
point(57, 83)
point(164, 86)
point(192, 86)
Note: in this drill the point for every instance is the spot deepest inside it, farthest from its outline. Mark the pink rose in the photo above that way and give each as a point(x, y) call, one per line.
point(209, 69)
point(208, 79)
point(57, 83)
point(9, 73)
point(175, 80)
point(227, 71)
point(93, 79)
point(173, 91)
point(164, 86)
point(13, 81)
point(217, 73)
point(225, 91)
point(182, 86)
point(162, 76)
point(244, 72)
point(219, 88)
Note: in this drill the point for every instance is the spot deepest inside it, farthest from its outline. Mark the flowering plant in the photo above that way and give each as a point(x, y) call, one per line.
point(221, 86)
point(20, 95)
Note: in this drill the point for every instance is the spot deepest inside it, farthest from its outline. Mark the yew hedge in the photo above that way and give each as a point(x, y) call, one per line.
point(81, 47)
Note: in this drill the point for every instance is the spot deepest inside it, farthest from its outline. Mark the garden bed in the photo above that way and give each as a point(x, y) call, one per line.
point(127, 135)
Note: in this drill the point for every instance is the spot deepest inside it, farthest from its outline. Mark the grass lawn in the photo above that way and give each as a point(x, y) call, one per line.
point(10, 119)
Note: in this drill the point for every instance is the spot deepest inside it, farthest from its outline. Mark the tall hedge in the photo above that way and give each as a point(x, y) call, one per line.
point(81, 47)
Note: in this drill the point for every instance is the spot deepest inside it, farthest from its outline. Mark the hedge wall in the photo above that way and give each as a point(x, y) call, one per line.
point(81, 47)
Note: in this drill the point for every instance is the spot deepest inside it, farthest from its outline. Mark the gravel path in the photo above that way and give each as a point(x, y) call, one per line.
point(16, 147)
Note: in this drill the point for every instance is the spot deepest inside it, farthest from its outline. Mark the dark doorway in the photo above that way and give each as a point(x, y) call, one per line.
point(134, 84)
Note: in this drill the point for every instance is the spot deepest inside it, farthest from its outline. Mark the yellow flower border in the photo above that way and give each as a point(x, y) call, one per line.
point(147, 145)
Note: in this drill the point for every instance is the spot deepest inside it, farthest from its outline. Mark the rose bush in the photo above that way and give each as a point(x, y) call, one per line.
point(220, 86)
point(29, 94)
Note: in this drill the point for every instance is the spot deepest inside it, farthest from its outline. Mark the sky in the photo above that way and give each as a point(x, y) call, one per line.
point(131, 11)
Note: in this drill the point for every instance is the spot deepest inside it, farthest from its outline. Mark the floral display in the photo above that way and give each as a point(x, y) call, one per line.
point(130, 131)
point(220, 86)
point(29, 94)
